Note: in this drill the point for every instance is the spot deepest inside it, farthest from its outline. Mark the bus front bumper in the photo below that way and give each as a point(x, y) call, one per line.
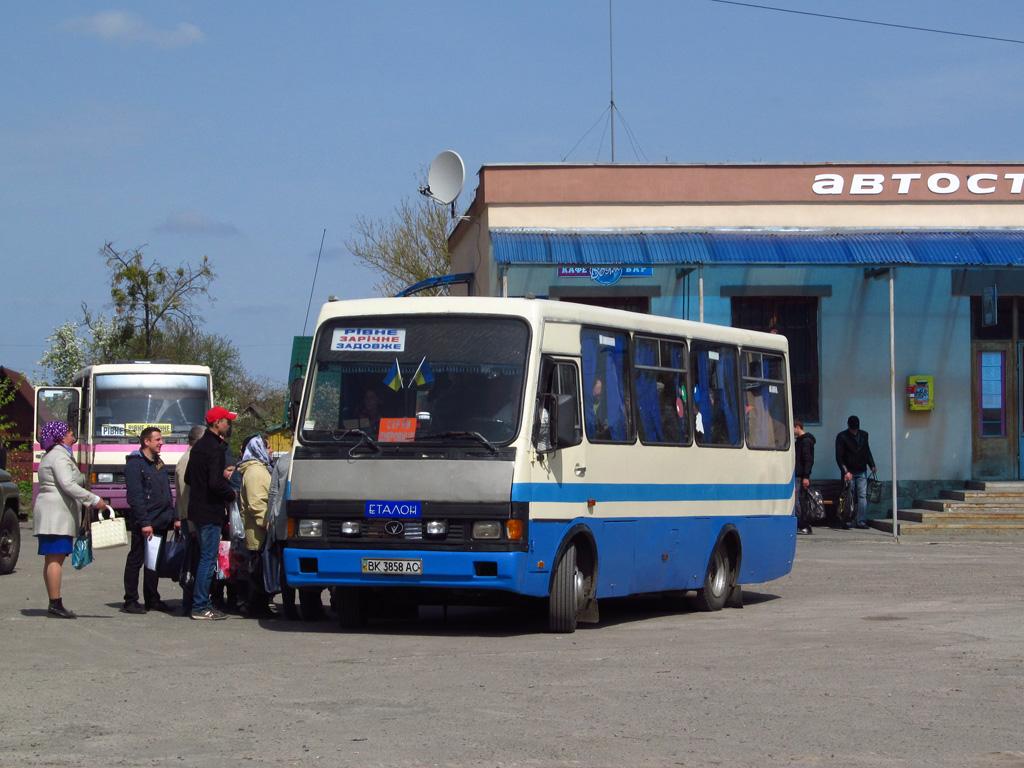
point(505, 571)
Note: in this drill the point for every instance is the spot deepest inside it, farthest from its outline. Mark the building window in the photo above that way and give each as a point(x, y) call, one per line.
point(715, 395)
point(992, 375)
point(1002, 330)
point(766, 417)
point(607, 412)
point(659, 380)
point(796, 318)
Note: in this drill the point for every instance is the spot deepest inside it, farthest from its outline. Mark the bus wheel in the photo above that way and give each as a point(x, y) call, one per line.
point(350, 602)
point(312, 609)
point(568, 593)
point(718, 581)
point(10, 540)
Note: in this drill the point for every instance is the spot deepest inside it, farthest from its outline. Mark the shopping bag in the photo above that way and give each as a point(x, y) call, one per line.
point(81, 552)
point(874, 489)
point(224, 560)
point(846, 510)
point(813, 505)
point(110, 532)
point(236, 523)
point(153, 544)
point(172, 556)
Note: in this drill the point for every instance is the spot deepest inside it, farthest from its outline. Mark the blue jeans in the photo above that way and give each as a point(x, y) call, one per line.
point(860, 494)
point(209, 543)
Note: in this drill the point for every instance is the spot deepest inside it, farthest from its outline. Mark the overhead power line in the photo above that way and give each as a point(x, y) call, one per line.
point(870, 21)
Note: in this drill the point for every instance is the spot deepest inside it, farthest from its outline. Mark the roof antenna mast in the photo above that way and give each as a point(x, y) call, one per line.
point(611, 78)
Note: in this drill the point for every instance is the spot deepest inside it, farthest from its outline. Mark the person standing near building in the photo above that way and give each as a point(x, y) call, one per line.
point(209, 492)
point(150, 513)
point(853, 455)
point(804, 463)
point(181, 505)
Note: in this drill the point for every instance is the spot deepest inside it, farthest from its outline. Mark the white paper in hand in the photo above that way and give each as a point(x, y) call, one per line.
point(153, 552)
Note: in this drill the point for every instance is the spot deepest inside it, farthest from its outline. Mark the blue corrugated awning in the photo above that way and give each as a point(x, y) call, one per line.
point(980, 248)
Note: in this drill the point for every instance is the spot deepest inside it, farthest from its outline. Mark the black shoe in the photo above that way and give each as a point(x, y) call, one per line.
point(159, 605)
point(132, 606)
point(845, 526)
point(60, 612)
point(863, 525)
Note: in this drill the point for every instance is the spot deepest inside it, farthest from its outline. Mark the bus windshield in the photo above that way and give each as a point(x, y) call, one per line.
point(126, 403)
point(417, 378)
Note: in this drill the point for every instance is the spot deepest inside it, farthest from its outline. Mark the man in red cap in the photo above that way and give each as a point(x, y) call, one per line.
point(208, 494)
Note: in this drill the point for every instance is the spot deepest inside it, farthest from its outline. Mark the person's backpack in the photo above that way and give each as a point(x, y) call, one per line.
point(813, 505)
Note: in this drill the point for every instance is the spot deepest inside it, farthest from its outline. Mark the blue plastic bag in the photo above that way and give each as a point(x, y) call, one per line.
point(81, 552)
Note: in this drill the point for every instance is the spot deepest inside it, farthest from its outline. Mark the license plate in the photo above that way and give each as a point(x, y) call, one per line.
point(391, 567)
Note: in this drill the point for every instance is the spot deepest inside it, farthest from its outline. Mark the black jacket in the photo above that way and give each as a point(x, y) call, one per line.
point(208, 491)
point(853, 454)
point(804, 455)
point(149, 492)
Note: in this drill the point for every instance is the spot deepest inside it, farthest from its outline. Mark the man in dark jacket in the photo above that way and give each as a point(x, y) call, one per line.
point(804, 463)
point(853, 455)
point(208, 493)
point(151, 513)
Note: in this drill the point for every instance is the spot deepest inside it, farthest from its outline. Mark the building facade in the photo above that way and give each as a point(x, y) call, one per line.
point(805, 250)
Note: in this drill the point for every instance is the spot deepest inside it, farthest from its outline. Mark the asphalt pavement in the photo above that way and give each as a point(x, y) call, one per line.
point(870, 653)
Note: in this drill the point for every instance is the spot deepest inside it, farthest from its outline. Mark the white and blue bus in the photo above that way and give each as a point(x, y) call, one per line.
point(456, 447)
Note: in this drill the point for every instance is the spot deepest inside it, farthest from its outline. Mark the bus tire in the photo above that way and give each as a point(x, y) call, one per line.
point(566, 593)
point(10, 540)
point(351, 604)
point(718, 581)
point(310, 605)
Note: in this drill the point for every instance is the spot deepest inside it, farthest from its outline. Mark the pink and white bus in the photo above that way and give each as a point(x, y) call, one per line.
point(109, 405)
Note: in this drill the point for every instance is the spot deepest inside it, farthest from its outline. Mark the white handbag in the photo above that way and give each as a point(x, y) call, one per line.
point(111, 532)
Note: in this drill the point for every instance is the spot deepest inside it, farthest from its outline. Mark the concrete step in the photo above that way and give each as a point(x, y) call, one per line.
point(984, 497)
point(925, 515)
point(1005, 486)
point(947, 505)
point(908, 528)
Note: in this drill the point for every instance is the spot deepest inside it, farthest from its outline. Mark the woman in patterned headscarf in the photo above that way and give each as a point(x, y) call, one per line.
point(58, 508)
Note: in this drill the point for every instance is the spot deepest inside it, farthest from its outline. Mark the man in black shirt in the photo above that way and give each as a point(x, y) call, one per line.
point(853, 455)
point(208, 493)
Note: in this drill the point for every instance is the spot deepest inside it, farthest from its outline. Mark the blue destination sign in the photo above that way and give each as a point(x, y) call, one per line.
point(605, 275)
point(401, 510)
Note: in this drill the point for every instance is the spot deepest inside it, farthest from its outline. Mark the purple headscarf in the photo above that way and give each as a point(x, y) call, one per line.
point(52, 433)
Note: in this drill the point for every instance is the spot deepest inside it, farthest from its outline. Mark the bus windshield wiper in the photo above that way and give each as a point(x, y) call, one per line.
point(364, 439)
point(474, 435)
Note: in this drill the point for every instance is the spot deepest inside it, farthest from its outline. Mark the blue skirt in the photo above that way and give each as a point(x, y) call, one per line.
point(55, 545)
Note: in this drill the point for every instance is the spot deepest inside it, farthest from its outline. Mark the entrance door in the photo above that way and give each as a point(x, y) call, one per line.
point(994, 410)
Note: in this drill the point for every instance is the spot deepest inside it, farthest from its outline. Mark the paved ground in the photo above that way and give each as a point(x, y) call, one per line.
point(868, 654)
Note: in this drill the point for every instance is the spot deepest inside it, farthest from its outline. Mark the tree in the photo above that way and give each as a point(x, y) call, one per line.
point(147, 295)
point(409, 246)
point(66, 354)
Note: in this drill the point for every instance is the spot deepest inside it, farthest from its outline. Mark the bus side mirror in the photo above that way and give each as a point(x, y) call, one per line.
point(556, 423)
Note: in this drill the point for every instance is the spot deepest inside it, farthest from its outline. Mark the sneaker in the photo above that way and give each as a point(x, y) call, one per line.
point(132, 606)
point(60, 612)
point(208, 614)
point(159, 605)
point(804, 531)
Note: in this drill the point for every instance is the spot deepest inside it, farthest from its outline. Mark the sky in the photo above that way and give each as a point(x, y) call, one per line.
point(240, 131)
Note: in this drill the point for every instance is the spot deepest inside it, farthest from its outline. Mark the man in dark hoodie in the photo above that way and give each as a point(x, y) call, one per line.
point(151, 513)
point(208, 493)
point(853, 455)
point(804, 463)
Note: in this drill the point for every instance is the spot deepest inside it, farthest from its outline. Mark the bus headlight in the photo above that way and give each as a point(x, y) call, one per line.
point(486, 529)
point(436, 528)
point(349, 527)
point(105, 477)
point(310, 528)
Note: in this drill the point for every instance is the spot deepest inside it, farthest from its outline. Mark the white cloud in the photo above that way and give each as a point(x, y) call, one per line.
point(194, 223)
point(122, 26)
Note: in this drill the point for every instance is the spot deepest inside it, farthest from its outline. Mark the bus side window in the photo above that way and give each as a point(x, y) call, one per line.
point(607, 410)
point(715, 395)
point(764, 401)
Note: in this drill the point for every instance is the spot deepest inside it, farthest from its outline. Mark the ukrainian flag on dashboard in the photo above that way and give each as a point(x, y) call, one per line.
point(394, 377)
point(424, 375)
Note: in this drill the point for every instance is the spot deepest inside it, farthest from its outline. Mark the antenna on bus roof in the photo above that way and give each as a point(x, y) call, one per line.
point(313, 285)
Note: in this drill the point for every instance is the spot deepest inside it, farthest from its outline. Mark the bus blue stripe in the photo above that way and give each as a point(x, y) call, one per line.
point(576, 492)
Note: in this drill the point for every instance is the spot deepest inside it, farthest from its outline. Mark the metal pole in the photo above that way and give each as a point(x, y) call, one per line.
point(892, 401)
point(700, 293)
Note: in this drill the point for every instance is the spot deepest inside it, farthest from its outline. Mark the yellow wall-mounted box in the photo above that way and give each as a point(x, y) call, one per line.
point(921, 393)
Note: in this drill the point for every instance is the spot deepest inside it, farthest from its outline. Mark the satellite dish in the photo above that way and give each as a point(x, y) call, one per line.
point(446, 176)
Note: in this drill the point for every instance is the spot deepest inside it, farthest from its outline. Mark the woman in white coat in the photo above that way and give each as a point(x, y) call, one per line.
point(58, 508)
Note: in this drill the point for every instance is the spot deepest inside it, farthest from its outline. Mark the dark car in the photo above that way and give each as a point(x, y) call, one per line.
point(10, 530)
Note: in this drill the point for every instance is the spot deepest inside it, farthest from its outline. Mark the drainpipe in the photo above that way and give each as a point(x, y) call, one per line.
point(892, 399)
point(700, 292)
